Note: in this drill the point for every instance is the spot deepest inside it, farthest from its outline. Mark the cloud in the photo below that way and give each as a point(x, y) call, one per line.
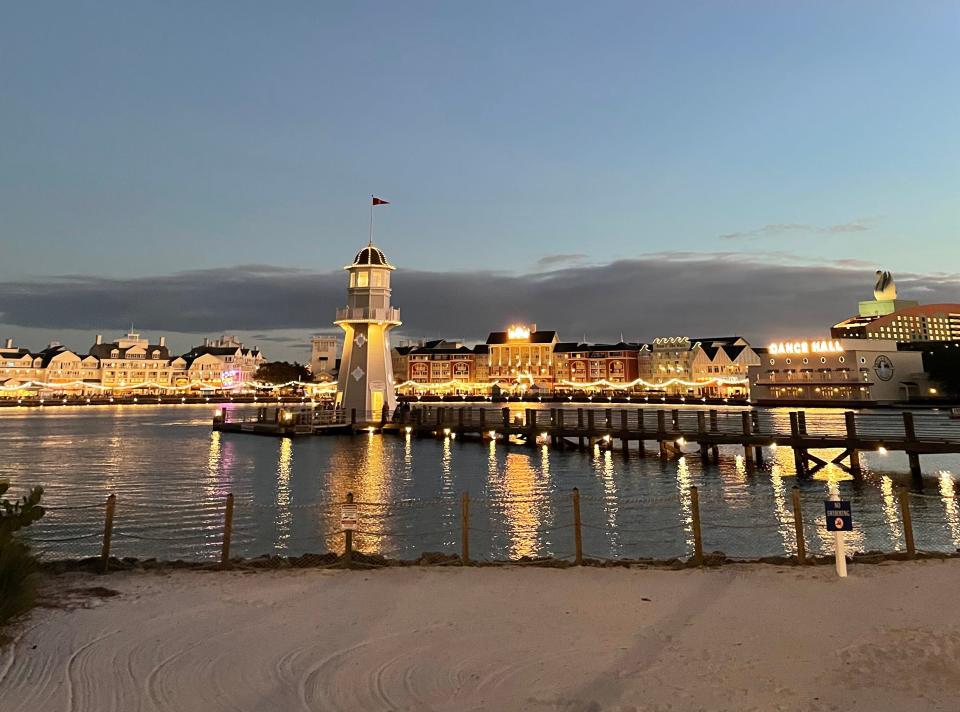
point(562, 259)
point(780, 229)
point(758, 296)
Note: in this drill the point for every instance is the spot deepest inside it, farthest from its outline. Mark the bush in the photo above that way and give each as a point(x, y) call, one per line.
point(18, 566)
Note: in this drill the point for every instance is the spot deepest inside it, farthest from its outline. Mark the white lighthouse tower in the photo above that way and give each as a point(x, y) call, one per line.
point(365, 384)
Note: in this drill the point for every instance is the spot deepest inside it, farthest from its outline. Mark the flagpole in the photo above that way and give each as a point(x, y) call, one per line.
point(370, 241)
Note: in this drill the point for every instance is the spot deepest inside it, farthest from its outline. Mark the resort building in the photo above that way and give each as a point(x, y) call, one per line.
point(223, 363)
point(863, 372)
point(577, 364)
point(522, 354)
point(705, 367)
point(888, 318)
point(132, 363)
point(324, 356)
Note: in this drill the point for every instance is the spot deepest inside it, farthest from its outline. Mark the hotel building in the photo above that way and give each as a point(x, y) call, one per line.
point(856, 371)
point(886, 317)
point(527, 358)
point(218, 363)
point(133, 363)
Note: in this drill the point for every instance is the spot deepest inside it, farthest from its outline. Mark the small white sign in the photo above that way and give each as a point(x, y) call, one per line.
point(348, 517)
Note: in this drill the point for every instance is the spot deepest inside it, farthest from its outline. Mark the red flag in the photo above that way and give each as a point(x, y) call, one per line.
point(378, 201)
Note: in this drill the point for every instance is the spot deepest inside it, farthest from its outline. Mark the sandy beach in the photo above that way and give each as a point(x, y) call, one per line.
point(734, 638)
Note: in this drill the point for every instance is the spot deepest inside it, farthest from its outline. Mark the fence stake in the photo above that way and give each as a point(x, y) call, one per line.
point(904, 496)
point(798, 525)
point(465, 527)
point(107, 533)
point(697, 538)
point(577, 535)
point(348, 539)
point(227, 532)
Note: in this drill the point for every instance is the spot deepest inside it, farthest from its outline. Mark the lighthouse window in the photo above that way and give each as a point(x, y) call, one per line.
point(353, 279)
point(377, 279)
point(363, 279)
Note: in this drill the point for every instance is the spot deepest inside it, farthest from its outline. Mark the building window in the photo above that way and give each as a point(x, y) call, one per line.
point(363, 279)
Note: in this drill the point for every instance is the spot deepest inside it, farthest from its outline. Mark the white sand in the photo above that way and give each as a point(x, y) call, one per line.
point(737, 638)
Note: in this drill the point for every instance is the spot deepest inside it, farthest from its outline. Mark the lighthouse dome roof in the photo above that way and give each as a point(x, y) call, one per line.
point(371, 255)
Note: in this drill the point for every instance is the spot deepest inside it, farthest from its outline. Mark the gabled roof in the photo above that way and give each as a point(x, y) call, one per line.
point(733, 350)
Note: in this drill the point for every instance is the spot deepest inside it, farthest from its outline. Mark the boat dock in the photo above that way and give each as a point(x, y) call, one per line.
point(677, 433)
point(674, 432)
point(286, 422)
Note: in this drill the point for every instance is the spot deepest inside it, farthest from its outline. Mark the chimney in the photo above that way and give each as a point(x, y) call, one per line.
point(99, 339)
point(205, 341)
point(163, 340)
point(533, 328)
point(9, 343)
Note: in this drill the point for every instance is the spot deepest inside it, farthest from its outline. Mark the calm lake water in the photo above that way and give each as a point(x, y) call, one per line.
point(171, 475)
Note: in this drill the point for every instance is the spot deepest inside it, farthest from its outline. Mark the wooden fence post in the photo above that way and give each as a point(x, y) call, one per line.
point(465, 528)
point(904, 496)
point(577, 534)
point(227, 532)
point(348, 538)
point(107, 533)
point(697, 537)
point(798, 526)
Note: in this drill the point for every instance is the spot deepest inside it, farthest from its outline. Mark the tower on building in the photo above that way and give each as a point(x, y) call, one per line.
point(365, 383)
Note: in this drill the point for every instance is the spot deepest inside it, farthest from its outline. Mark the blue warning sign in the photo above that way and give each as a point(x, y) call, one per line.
point(839, 516)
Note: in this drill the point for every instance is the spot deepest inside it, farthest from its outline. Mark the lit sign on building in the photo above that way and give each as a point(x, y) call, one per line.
point(518, 333)
point(806, 347)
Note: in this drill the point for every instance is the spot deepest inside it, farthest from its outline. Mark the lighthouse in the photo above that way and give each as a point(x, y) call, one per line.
point(365, 384)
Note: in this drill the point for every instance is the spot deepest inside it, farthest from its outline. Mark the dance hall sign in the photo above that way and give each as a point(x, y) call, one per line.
point(806, 347)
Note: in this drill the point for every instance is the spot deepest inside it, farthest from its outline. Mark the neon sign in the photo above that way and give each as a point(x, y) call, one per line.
point(806, 347)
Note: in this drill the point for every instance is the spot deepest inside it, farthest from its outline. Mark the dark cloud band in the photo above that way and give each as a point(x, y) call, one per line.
point(672, 293)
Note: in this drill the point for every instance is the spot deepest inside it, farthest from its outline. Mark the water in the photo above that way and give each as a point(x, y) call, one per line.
point(171, 475)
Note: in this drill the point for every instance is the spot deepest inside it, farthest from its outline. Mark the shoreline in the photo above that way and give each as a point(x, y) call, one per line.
point(519, 638)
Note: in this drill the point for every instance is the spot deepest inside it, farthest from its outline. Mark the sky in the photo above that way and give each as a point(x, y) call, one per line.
point(636, 167)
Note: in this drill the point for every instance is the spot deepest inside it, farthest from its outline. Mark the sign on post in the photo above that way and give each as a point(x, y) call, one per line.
point(348, 517)
point(839, 516)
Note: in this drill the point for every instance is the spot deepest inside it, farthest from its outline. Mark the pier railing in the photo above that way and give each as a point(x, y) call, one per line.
point(689, 529)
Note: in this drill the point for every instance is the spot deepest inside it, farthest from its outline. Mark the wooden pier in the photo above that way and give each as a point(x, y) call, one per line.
point(678, 432)
point(285, 422)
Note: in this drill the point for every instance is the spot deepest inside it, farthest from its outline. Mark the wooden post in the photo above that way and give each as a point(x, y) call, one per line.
point(505, 417)
point(802, 421)
point(465, 528)
point(608, 416)
point(661, 422)
point(590, 422)
point(348, 539)
point(107, 533)
point(909, 431)
point(675, 419)
point(701, 422)
point(353, 416)
point(697, 537)
point(577, 534)
point(559, 418)
point(903, 495)
point(579, 418)
point(227, 532)
point(747, 448)
point(713, 421)
point(384, 415)
point(483, 420)
point(798, 526)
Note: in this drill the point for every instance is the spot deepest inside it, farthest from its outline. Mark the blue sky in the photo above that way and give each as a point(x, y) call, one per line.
point(144, 139)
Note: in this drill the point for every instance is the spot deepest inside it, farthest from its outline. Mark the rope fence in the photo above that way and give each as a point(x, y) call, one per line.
point(209, 531)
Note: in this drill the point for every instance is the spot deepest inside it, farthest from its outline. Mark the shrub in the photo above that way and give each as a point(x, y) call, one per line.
point(18, 566)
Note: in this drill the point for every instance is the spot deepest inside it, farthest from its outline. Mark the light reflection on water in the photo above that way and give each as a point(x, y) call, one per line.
point(171, 474)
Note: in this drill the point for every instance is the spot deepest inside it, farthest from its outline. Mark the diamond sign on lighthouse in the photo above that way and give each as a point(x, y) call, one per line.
point(365, 385)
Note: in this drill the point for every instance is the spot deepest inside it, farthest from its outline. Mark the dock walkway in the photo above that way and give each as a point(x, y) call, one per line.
point(674, 430)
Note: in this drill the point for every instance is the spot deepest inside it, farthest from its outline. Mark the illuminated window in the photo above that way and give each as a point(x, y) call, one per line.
point(363, 279)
